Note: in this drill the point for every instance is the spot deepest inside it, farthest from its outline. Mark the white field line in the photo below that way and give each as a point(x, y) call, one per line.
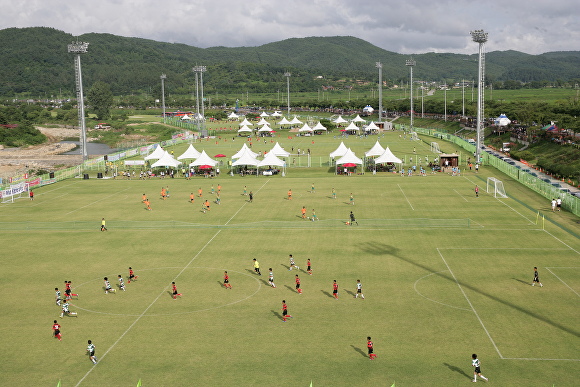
point(96, 201)
point(403, 192)
point(150, 305)
point(462, 196)
point(245, 202)
point(562, 242)
point(162, 292)
point(471, 305)
point(568, 286)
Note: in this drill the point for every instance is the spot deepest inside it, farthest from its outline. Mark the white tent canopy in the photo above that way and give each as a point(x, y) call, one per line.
point(371, 126)
point(156, 154)
point(502, 120)
point(244, 129)
point(276, 114)
point(186, 117)
point(190, 153)
point(246, 158)
point(279, 151)
point(305, 128)
point(358, 119)
point(340, 151)
point(263, 122)
point(264, 114)
point(271, 159)
point(233, 115)
point(340, 120)
point(166, 161)
point(241, 152)
point(265, 128)
point(349, 157)
point(352, 126)
point(295, 121)
point(376, 150)
point(203, 159)
point(245, 122)
point(284, 121)
point(388, 157)
point(319, 126)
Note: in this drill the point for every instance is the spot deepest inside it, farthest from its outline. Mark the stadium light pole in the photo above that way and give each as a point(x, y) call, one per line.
point(480, 37)
point(199, 70)
point(379, 65)
point(411, 63)
point(445, 108)
point(287, 75)
point(79, 48)
point(163, 77)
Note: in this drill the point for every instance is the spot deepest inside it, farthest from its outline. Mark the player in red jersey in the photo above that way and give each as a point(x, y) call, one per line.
point(56, 330)
point(175, 293)
point(335, 290)
point(285, 311)
point(68, 290)
point(132, 276)
point(308, 267)
point(227, 284)
point(371, 349)
point(297, 280)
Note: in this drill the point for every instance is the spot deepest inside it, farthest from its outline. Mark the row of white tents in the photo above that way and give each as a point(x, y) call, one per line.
point(343, 155)
point(245, 156)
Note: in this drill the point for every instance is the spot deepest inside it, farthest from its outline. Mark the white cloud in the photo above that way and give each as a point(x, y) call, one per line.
point(412, 26)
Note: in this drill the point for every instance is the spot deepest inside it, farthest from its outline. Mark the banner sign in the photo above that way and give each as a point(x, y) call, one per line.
point(13, 190)
point(134, 162)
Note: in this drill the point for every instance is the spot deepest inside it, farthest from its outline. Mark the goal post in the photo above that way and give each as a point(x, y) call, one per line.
point(496, 187)
point(414, 136)
point(435, 147)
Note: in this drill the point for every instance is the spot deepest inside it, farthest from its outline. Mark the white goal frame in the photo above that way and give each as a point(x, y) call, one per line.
point(435, 147)
point(414, 136)
point(496, 187)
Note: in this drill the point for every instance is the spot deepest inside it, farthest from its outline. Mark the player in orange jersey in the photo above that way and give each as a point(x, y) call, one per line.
point(303, 212)
point(191, 197)
point(289, 194)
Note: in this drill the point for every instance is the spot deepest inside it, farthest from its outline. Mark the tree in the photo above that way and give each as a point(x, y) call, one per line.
point(100, 99)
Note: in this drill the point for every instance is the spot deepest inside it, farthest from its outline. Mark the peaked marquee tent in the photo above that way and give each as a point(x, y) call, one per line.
point(166, 161)
point(242, 150)
point(156, 154)
point(190, 153)
point(388, 157)
point(376, 150)
point(203, 159)
point(246, 158)
point(340, 151)
point(349, 157)
point(277, 150)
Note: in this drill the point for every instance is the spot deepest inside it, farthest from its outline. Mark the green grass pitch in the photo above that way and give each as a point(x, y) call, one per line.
point(445, 275)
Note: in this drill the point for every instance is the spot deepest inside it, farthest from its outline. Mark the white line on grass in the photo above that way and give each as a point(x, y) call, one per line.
point(559, 240)
point(96, 201)
point(471, 305)
point(164, 290)
point(568, 286)
point(150, 305)
point(537, 359)
point(514, 210)
point(463, 197)
point(430, 299)
point(405, 197)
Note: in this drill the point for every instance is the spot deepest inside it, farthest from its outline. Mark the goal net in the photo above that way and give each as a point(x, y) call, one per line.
point(435, 147)
point(414, 136)
point(14, 192)
point(496, 187)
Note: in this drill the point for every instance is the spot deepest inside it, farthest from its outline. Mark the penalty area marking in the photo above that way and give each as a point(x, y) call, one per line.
point(430, 299)
point(177, 313)
point(560, 279)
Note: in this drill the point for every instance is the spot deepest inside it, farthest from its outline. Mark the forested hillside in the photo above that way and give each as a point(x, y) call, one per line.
point(35, 61)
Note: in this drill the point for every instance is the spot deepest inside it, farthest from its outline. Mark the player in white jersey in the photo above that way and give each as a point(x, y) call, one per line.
point(91, 352)
point(271, 278)
point(65, 310)
point(108, 287)
point(121, 283)
point(359, 290)
point(57, 295)
point(477, 370)
point(293, 264)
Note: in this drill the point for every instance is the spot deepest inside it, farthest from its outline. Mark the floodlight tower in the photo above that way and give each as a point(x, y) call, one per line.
point(411, 63)
point(199, 70)
point(287, 75)
point(479, 36)
point(379, 65)
point(79, 48)
point(163, 77)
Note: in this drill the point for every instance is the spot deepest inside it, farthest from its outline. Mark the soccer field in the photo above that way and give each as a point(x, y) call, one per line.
point(444, 274)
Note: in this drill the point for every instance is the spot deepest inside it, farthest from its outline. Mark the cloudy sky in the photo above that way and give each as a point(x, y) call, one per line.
point(403, 26)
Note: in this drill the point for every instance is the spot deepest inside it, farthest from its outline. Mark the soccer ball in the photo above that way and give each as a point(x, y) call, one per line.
point(308, 217)
point(347, 223)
